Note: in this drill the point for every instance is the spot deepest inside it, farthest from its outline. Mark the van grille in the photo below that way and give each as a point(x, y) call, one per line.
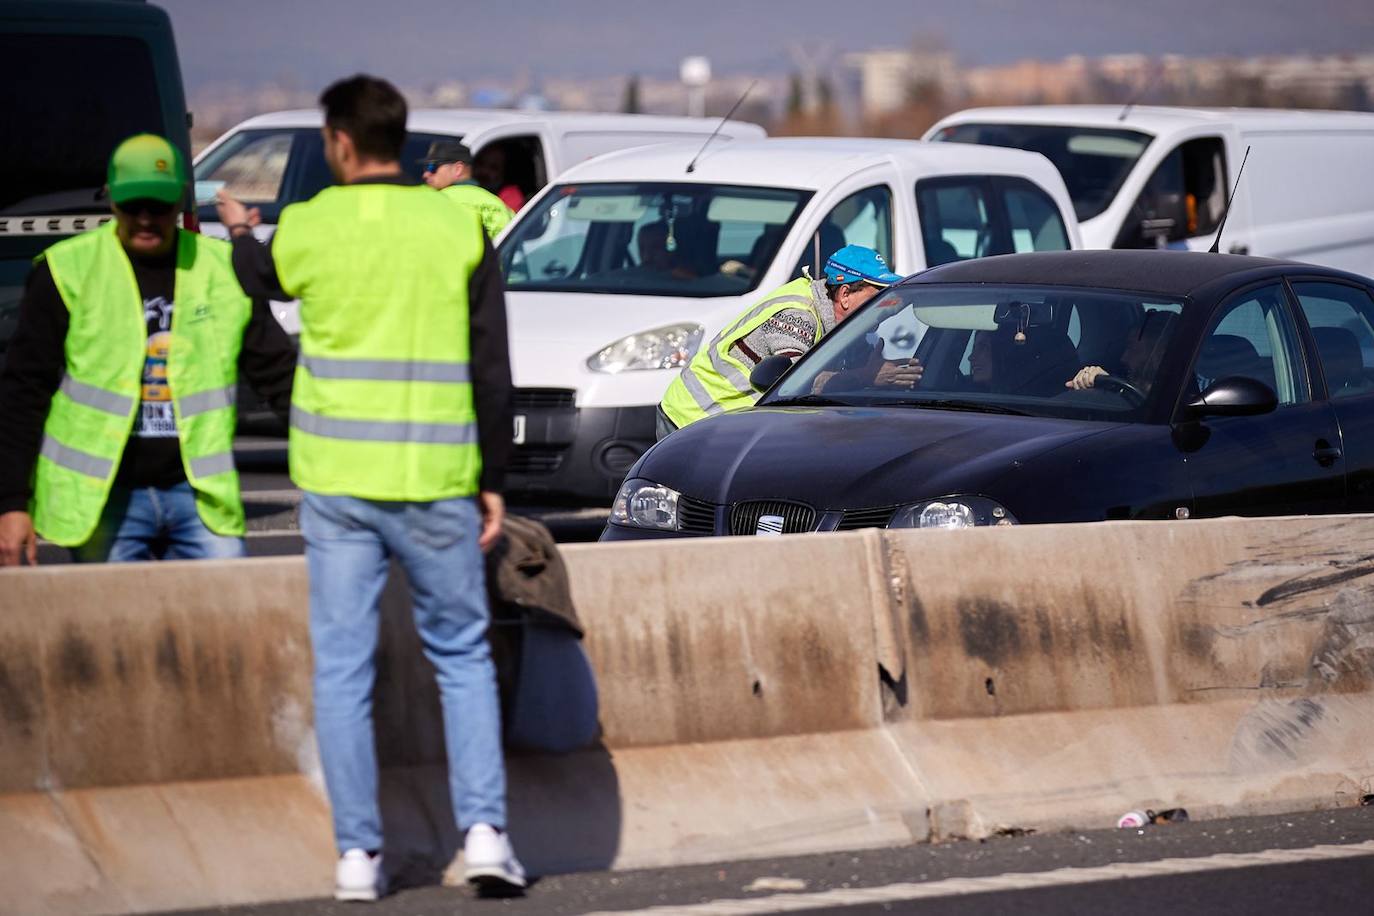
point(796, 517)
point(544, 398)
point(536, 459)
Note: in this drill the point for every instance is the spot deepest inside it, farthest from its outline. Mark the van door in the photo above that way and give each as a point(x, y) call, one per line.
point(513, 161)
point(1183, 200)
point(863, 217)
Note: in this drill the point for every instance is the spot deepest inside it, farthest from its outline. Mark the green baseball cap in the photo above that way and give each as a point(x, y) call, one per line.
point(146, 166)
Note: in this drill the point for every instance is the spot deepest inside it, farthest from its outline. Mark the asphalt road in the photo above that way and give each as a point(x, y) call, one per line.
point(1193, 869)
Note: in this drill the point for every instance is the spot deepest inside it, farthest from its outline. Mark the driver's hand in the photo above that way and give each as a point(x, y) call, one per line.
point(1084, 378)
point(899, 375)
point(822, 379)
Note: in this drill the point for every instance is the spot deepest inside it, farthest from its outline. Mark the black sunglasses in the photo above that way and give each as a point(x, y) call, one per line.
point(145, 205)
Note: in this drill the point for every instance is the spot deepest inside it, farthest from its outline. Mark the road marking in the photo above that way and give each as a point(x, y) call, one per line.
point(1012, 881)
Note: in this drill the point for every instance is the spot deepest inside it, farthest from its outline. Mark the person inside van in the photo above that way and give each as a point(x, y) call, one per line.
point(489, 168)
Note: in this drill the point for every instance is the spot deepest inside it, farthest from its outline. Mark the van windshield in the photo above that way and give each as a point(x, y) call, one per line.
point(1093, 161)
point(649, 238)
point(70, 100)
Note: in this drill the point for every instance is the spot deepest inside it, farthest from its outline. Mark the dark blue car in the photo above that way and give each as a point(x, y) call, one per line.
point(1054, 387)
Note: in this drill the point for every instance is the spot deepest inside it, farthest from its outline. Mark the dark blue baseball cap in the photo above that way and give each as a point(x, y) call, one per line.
point(855, 263)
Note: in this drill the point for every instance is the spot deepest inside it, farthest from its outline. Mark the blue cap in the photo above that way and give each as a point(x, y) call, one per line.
point(855, 263)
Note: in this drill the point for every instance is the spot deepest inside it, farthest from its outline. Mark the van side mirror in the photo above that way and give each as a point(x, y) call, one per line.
point(1233, 396)
point(768, 371)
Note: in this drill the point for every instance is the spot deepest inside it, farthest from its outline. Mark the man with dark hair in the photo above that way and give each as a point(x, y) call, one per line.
point(400, 432)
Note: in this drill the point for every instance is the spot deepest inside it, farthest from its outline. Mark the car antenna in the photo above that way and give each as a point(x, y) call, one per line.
point(691, 166)
point(1216, 242)
point(1139, 94)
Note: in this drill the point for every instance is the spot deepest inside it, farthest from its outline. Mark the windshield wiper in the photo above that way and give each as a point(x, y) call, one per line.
point(808, 400)
point(955, 404)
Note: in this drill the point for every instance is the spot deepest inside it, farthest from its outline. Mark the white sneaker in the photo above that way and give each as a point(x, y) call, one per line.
point(489, 862)
point(358, 876)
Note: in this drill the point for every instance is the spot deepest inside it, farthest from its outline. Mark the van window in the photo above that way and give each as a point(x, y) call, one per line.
point(1093, 161)
point(1184, 198)
point(976, 216)
point(863, 218)
point(271, 167)
point(69, 101)
point(1342, 321)
point(649, 238)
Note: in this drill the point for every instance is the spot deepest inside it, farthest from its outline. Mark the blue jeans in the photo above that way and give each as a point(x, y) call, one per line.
point(153, 524)
point(348, 545)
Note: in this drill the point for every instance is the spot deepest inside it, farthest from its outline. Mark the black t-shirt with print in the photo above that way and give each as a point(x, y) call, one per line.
point(152, 457)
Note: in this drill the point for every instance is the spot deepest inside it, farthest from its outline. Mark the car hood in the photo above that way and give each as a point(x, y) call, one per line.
point(853, 457)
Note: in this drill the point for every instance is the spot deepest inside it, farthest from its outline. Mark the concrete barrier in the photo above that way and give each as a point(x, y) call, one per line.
point(758, 697)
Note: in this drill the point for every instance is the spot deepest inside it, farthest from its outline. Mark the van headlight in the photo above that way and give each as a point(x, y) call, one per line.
point(645, 504)
point(953, 512)
point(670, 347)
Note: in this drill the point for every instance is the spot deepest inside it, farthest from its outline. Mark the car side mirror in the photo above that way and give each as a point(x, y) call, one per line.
point(768, 371)
point(1234, 396)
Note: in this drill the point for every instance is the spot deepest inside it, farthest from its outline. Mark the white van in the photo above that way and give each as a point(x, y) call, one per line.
point(619, 271)
point(1146, 177)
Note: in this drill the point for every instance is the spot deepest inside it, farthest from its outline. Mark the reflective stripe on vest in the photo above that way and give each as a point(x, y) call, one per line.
point(713, 383)
point(382, 406)
point(386, 370)
point(91, 415)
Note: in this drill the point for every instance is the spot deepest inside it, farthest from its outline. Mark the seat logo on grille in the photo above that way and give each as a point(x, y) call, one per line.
point(769, 524)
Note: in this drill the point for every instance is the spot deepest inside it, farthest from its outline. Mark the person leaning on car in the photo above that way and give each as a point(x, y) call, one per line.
point(448, 168)
point(116, 437)
point(788, 322)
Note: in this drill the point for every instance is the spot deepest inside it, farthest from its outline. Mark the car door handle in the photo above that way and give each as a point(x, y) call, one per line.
point(1325, 453)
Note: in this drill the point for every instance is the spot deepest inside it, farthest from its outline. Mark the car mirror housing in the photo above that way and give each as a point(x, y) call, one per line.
point(768, 371)
point(1234, 396)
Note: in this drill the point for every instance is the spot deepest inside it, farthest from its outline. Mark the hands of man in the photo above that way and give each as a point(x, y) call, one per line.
point(493, 514)
point(899, 375)
point(233, 213)
point(17, 539)
point(1084, 378)
point(821, 380)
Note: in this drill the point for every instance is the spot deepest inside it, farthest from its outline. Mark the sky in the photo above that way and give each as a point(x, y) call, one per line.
point(415, 42)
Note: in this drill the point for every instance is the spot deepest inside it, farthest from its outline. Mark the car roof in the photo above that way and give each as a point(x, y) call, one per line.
point(1160, 119)
point(801, 162)
point(1164, 272)
point(468, 120)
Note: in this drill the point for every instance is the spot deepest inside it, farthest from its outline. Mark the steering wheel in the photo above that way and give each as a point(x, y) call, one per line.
point(1133, 395)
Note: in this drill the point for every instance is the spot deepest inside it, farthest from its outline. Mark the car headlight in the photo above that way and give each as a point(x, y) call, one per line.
point(953, 512)
point(645, 504)
point(670, 347)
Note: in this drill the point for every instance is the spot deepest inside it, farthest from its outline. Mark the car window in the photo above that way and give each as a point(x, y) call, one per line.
point(1253, 336)
point(649, 238)
point(252, 165)
point(864, 218)
point(976, 216)
point(1341, 319)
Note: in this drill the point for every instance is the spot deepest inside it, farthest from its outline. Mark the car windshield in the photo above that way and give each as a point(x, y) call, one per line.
point(1042, 351)
point(649, 238)
point(1093, 161)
